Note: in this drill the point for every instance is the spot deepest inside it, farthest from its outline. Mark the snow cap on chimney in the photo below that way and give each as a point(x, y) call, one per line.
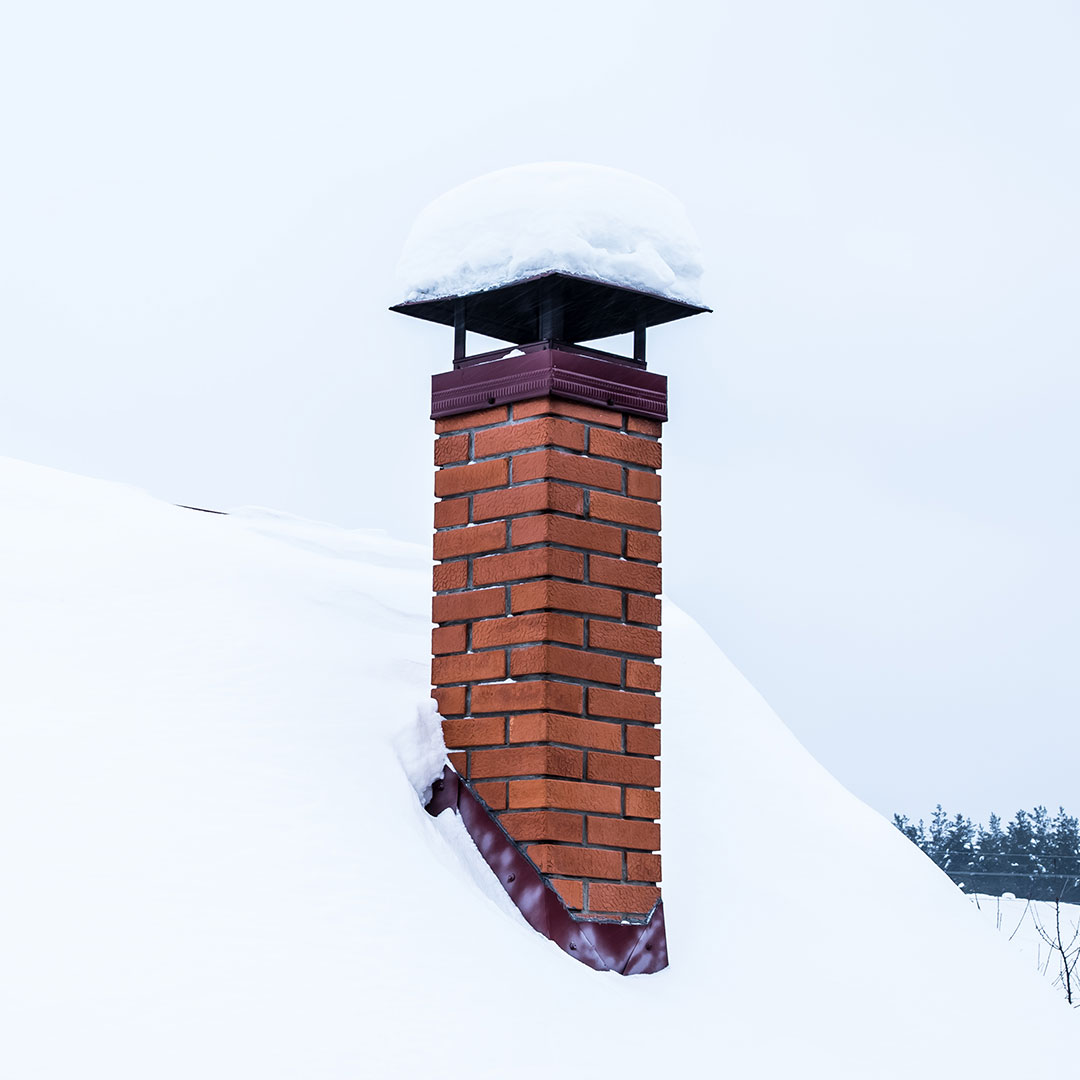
point(588, 221)
point(552, 252)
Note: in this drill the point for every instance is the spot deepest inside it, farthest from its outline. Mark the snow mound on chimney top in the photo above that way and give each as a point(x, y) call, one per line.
point(587, 220)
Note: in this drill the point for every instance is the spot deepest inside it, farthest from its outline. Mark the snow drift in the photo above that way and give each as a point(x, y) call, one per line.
point(215, 864)
point(586, 220)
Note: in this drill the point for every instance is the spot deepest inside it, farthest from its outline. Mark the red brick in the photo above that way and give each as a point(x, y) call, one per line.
point(461, 478)
point(625, 575)
point(644, 515)
point(527, 761)
point(451, 448)
point(642, 676)
point(642, 485)
point(643, 609)
point(474, 731)
point(459, 760)
point(453, 575)
point(614, 444)
point(590, 414)
point(642, 740)
point(448, 639)
point(533, 563)
point(468, 667)
point(564, 795)
point(642, 707)
point(644, 427)
point(450, 512)
point(632, 899)
point(576, 861)
point(493, 795)
point(522, 629)
point(450, 699)
point(537, 695)
point(615, 832)
point(574, 663)
point(642, 804)
point(641, 545)
point(553, 529)
point(555, 465)
point(572, 893)
point(552, 728)
point(528, 499)
point(468, 605)
point(451, 543)
point(619, 638)
point(547, 431)
point(564, 596)
point(622, 769)
point(543, 825)
point(643, 867)
point(471, 420)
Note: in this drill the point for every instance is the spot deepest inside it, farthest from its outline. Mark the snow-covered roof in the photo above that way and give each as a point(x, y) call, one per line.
point(586, 220)
point(215, 864)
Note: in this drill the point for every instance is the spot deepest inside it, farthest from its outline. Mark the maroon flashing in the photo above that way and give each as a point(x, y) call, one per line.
point(628, 948)
point(550, 368)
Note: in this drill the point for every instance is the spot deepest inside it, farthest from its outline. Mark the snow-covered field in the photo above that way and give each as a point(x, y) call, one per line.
point(1027, 924)
point(214, 864)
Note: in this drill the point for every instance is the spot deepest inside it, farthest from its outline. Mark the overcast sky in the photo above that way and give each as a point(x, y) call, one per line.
point(871, 468)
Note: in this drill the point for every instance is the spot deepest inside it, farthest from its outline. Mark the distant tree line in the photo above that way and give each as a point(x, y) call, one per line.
point(1035, 856)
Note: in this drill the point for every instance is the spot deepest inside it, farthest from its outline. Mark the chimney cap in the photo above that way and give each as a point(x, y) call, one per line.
point(618, 251)
point(585, 309)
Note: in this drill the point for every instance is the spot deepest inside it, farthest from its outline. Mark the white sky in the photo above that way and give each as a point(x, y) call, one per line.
point(871, 483)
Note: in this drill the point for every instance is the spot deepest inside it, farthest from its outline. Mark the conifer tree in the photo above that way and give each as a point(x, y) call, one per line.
point(961, 857)
point(938, 836)
point(1064, 857)
point(915, 833)
point(991, 862)
point(1018, 842)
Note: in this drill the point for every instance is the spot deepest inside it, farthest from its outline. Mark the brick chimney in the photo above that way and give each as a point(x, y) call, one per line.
point(547, 580)
point(548, 549)
point(547, 537)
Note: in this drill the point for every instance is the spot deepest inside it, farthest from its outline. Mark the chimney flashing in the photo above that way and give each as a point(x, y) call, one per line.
point(630, 947)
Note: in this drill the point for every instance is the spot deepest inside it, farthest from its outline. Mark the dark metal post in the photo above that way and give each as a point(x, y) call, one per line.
point(459, 330)
point(639, 343)
point(551, 311)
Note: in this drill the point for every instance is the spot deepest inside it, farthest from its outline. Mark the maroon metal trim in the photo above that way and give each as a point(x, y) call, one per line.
point(544, 346)
point(550, 370)
point(628, 948)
